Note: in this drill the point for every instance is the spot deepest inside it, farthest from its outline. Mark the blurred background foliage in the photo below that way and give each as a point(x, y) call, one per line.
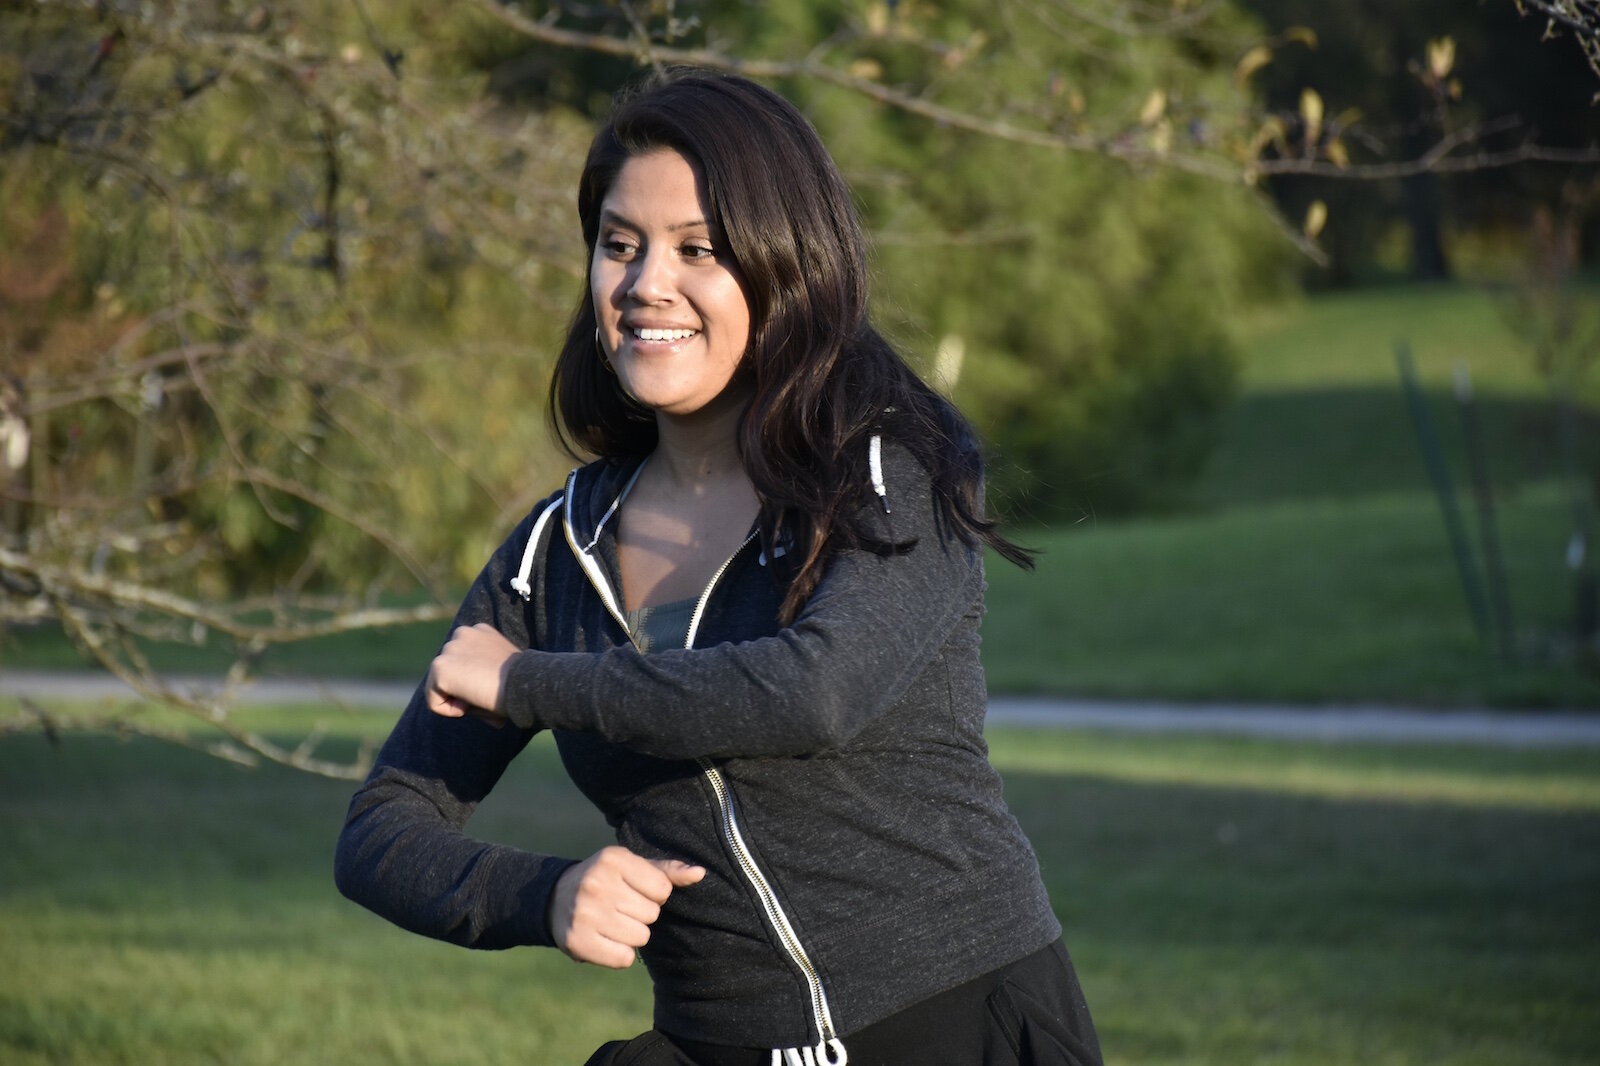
point(316, 255)
point(286, 278)
point(272, 299)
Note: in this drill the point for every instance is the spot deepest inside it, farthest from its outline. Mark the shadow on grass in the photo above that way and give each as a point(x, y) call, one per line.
point(1338, 442)
point(1219, 925)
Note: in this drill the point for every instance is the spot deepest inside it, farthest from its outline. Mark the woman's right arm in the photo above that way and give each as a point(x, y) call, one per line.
point(403, 853)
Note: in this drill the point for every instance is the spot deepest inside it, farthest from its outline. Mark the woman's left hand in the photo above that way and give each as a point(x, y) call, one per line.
point(469, 674)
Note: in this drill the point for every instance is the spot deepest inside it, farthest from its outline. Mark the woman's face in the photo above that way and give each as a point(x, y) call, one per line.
point(670, 304)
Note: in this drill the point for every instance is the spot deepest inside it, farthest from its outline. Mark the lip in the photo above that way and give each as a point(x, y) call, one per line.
point(635, 324)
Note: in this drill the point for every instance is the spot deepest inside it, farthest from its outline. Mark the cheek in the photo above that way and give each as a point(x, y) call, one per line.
point(604, 277)
point(736, 313)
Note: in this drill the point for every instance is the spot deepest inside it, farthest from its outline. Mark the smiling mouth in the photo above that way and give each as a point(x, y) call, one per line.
point(664, 334)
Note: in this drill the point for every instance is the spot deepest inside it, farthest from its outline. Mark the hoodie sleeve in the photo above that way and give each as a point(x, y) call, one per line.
point(872, 627)
point(403, 853)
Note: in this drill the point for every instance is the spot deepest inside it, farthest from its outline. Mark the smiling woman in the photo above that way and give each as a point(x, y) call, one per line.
point(752, 625)
point(674, 321)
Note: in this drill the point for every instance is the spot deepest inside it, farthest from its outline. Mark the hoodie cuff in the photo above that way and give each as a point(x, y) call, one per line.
point(517, 692)
point(526, 918)
point(554, 690)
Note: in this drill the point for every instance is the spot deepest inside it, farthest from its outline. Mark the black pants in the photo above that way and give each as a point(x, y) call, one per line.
point(1030, 1013)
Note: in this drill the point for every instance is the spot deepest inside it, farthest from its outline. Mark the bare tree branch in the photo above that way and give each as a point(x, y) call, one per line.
point(1579, 17)
point(212, 708)
point(86, 591)
point(1443, 156)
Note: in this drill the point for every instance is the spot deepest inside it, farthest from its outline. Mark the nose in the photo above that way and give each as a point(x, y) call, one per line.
point(652, 282)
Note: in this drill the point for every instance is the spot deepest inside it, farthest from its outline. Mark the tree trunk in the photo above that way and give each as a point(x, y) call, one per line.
point(1420, 196)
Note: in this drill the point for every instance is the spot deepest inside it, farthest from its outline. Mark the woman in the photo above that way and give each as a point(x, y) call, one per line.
point(753, 626)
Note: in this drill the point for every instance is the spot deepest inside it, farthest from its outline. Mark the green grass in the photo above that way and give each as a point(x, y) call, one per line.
point(1313, 563)
point(1329, 600)
point(161, 906)
point(1321, 413)
point(1226, 901)
point(1346, 340)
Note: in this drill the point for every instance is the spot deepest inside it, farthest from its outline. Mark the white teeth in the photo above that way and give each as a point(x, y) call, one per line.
point(664, 334)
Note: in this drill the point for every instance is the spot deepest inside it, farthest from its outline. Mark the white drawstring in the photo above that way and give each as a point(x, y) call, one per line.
point(521, 584)
point(875, 469)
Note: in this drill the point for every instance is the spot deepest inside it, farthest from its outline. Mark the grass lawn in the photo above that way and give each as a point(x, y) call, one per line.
point(1312, 563)
point(1311, 601)
point(1226, 901)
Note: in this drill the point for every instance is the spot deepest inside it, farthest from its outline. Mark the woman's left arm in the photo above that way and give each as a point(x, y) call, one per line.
point(873, 625)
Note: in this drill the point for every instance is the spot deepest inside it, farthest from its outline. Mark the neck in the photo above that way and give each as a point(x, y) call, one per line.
point(703, 448)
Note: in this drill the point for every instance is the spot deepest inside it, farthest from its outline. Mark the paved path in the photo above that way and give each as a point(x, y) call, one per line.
point(1333, 724)
point(1337, 723)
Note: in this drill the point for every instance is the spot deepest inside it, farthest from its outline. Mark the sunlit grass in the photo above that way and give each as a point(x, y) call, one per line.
point(1347, 340)
point(1311, 562)
point(1333, 600)
point(1406, 773)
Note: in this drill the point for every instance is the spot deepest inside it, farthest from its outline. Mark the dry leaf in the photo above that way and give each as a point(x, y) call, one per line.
point(1304, 34)
point(1250, 62)
point(1154, 107)
point(1441, 57)
point(1316, 218)
point(1311, 112)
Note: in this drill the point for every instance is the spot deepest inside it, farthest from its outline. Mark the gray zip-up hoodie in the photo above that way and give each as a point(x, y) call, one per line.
point(831, 776)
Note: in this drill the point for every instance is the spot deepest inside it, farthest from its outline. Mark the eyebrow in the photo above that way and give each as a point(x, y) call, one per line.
point(608, 215)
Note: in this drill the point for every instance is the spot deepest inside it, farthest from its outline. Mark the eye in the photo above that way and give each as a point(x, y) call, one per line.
point(617, 246)
point(694, 252)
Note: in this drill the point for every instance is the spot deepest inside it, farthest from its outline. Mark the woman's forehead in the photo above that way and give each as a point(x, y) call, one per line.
point(661, 187)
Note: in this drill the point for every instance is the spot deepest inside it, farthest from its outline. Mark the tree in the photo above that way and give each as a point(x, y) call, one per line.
point(277, 298)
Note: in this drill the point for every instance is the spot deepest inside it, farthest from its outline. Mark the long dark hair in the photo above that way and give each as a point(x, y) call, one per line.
point(824, 379)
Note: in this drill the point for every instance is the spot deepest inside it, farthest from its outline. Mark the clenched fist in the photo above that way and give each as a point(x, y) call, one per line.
point(602, 908)
point(468, 674)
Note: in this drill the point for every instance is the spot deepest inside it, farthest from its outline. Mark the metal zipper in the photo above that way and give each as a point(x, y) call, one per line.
point(597, 576)
point(769, 902)
point(730, 821)
point(741, 852)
